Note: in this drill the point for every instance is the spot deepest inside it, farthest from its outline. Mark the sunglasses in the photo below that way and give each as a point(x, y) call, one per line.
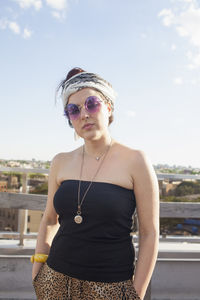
point(92, 105)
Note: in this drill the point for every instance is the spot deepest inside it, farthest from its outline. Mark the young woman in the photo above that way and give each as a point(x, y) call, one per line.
point(84, 248)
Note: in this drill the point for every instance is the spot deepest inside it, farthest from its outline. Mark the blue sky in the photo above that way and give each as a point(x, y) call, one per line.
point(148, 50)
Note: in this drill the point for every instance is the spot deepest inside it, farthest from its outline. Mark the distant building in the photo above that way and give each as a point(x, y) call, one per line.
point(3, 186)
point(165, 187)
point(33, 220)
point(8, 219)
point(13, 164)
point(9, 216)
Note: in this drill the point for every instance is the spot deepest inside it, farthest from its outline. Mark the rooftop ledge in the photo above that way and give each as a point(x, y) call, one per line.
point(169, 247)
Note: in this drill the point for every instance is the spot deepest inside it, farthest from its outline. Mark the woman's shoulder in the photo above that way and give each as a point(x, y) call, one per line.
point(139, 162)
point(131, 152)
point(138, 159)
point(65, 155)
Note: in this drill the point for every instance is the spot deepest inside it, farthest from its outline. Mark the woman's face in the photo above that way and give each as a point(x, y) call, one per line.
point(99, 120)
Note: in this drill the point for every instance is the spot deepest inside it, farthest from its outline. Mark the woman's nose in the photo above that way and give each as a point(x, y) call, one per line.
point(84, 113)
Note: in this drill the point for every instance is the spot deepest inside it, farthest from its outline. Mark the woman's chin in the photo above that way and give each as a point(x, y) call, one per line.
point(92, 135)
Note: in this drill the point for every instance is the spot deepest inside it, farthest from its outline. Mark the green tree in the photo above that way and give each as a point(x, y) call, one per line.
point(41, 189)
point(187, 188)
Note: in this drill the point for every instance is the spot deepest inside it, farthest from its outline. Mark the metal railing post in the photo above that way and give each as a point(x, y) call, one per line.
point(22, 214)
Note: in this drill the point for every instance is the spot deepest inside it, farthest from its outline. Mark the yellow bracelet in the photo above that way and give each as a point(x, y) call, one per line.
point(39, 257)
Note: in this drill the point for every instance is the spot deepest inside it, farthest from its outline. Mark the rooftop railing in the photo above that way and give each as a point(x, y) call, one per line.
point(24, 202)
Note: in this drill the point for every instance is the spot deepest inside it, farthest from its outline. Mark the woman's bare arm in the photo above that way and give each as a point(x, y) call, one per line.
point(146, 191)
point(49, 224)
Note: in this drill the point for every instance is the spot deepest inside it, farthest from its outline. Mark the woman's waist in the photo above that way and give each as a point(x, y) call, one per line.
point(93, 260)
point(96, 272)
point(86, 250)
point(94, 237)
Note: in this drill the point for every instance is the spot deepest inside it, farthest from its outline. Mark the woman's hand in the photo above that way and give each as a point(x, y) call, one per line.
point(139, 297)
point(36, 268)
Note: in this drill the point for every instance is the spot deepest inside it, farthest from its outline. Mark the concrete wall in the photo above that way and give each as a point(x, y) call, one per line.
point(173, 279)
point(177, 279)
point(16, 277)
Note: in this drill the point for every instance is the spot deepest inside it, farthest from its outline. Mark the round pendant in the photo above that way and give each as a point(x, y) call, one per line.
point(78, 219)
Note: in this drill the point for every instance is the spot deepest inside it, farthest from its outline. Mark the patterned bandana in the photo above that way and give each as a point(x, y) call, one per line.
point(87, 80)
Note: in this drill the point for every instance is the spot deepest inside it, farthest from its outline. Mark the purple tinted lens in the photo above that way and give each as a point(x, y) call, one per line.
point(92, 104)
point(72, 111)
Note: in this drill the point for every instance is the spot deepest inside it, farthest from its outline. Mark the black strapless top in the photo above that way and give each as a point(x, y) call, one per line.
point(100, 248)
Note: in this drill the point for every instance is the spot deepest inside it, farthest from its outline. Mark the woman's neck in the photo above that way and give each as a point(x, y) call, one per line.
point(96, 148)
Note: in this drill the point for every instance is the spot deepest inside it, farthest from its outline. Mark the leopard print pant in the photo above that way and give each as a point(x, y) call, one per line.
point(52, 285)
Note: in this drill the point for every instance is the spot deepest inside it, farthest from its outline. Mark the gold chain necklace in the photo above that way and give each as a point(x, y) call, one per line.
point(98, 157)
point(78, 218)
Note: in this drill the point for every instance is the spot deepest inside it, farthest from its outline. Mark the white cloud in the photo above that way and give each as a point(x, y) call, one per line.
point(194, 58)
point(57, 4)
point(55, 14)
point(188, 81)
point(27, 33)
point(189, 54)
point(181, 31)
point(186, 22)
point(37, 4)
point(190, 24)
point(167, 15)
point(178, 81)
point(59, 15)
point(185, 18)
point(14, 27)
point(59, 12)
point(173, 47)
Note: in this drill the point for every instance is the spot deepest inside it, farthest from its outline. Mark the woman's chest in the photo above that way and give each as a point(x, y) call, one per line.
point(103, 201)
point(117, 170)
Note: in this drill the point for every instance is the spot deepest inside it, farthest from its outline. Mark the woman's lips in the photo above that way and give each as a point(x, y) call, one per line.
point(87, 126)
